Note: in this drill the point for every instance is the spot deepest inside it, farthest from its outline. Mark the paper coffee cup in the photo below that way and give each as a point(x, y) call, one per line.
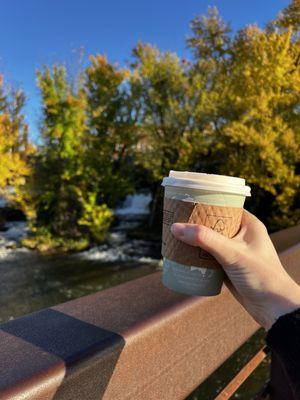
point(215, 201)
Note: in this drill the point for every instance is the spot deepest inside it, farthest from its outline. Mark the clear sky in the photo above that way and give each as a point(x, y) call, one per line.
point(37, 32)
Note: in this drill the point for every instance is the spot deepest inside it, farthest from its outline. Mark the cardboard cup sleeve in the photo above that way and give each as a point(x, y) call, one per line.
point(225, 220)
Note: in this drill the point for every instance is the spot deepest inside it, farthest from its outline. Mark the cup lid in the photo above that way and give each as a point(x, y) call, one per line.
point(212, 182)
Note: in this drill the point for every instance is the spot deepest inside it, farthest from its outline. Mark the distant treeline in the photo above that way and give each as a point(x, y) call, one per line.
point(233, 108)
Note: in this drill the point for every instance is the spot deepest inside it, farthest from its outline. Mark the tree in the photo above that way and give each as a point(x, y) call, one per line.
point(111, 129)
point(210, 39)
point(289, 18)
point(168, 93)
point(59, 191)
point(85, 162)
point(14, 145)
point(254, 129)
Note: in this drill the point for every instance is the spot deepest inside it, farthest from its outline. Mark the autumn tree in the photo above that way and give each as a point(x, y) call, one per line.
point(210, 39)
point(253, 130)
point(14, 144)
point(288, 19)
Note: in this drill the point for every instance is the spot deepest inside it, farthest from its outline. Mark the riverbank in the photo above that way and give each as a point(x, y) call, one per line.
point(31, 280)
point(127, 240)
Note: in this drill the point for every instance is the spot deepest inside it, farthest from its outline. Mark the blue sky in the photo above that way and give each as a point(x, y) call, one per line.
point(37, 32)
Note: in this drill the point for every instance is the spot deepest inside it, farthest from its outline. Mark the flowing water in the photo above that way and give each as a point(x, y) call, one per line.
point(30, 281)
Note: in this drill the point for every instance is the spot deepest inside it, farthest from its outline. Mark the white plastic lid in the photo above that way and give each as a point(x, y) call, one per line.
point(199, 180)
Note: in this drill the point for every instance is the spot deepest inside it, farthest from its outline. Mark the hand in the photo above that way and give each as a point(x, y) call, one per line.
point(257, 278)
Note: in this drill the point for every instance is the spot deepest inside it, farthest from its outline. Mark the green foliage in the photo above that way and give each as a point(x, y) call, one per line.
point(59, 214)
point(166, 92)
point(112, 130)
point(84, 162)
point(96, 218)
point(42, 240)
point(58, 165)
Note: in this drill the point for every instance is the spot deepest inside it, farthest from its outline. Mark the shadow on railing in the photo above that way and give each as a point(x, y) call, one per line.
point(137, 341)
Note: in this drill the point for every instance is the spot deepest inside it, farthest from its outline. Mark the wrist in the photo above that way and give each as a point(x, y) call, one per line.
point(283, 300)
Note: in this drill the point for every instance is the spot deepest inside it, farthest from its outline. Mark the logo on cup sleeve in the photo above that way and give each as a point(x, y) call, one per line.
point(219, 223)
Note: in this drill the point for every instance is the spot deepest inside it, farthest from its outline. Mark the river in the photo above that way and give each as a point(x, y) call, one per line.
point(31, 281)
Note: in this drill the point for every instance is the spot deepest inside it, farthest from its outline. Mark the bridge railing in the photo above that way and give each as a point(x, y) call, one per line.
point(137, 340)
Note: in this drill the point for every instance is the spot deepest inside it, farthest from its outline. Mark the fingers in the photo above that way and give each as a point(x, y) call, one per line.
point(252, 229)
point(222, 248)
point(251, 221)
point(226, 251)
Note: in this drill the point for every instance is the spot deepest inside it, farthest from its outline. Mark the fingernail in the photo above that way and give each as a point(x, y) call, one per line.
point(178, 229)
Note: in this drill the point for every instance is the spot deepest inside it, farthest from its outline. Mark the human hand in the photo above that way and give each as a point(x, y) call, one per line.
point(257, 278)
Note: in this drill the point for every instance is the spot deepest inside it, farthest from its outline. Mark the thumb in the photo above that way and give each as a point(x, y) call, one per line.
point(225, 250)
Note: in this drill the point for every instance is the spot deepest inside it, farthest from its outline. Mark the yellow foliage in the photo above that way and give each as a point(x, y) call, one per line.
point(14, 146)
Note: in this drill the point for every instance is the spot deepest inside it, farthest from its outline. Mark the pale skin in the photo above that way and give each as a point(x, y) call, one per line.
point(256, 276)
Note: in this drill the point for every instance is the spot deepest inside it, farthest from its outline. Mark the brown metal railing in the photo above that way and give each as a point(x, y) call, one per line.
point(137, 341)
point(243, 374)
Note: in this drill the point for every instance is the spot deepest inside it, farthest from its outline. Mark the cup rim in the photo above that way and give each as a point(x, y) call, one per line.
point(208, 182)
